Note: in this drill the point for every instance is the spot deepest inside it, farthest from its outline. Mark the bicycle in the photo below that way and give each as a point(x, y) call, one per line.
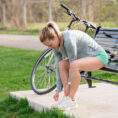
point(43, 75)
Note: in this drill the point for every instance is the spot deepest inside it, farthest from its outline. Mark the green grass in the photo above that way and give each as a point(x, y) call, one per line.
point(35, 28)
point(109, 24)
point(15, 72)
point(16, 66)
point(20, 31)
point(32, 29)
point(15, 69)
point(12, 108)
point(106, 75)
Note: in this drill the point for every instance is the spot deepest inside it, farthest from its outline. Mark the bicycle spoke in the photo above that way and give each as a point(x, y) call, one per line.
point(45, 84)
point(38, 83)
point(53, 79)
point(49, 80)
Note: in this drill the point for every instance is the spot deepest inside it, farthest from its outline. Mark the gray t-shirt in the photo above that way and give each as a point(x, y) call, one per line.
point(77, 44)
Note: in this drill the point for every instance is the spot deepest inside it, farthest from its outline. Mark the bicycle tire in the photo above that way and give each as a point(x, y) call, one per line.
point(49, 75)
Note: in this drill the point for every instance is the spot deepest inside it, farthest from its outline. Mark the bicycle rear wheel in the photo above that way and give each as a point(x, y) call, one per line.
point(43, 75)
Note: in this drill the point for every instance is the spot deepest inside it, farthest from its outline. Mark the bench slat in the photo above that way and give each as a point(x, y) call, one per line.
point(108, 32)
point(108, 29)
point(109, 47)
point(106, 44)
point(104, 36)
point(107, 40)
point(112, 66)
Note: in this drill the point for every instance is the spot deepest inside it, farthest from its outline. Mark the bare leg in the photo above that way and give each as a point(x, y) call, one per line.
point(64, 73)
point(83, 64)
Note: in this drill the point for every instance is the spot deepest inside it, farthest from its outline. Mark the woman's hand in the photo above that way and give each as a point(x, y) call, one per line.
point(56, 96)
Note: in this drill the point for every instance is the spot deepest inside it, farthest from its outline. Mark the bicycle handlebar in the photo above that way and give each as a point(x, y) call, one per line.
point(69, 12)
point(86, 23)
point(64, 6)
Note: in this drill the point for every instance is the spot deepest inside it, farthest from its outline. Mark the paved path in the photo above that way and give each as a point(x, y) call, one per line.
point(99, 102)
point(21, 41)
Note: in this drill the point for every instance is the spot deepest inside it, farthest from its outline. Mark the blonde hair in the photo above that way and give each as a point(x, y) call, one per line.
point(49, 31)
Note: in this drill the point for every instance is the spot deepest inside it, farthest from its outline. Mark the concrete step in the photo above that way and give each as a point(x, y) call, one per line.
point(99, 102)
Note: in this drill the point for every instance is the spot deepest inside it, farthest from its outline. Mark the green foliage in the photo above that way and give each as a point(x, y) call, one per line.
point(13, 108)
point(20, 31)
point(106, 75)
point(15, 69)
point(110, 24)
point(33, 29)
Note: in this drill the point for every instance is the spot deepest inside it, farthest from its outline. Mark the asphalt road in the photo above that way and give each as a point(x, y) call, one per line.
point(21, 41)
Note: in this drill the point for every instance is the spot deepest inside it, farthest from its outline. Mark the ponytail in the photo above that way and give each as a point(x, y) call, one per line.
point(49, 31)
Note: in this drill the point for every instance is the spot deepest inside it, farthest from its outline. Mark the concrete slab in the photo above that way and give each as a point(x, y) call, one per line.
point(99, 102)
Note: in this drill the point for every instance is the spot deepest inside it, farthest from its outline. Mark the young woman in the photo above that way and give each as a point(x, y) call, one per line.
point(74, 51)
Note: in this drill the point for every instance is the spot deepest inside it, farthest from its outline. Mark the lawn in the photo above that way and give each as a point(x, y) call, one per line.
point(35, 28)
point(15, 69)
point(32, 29)
point(12, 108)
point(15, 72)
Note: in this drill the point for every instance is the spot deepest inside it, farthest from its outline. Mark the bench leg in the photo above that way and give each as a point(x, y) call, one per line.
point(89, 81)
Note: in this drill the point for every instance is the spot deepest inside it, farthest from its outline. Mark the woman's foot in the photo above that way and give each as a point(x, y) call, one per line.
point(68, 104)
point(55, 105)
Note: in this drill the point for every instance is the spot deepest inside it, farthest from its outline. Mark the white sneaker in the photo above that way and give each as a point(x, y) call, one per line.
point(55, 105)
point(68, 104)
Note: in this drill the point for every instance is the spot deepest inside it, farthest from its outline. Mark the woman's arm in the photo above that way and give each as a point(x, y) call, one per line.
point(58, 57)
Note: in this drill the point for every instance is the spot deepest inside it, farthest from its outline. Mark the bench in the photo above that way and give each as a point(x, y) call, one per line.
point(108, 39)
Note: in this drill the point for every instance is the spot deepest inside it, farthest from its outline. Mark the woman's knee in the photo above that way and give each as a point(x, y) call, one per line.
point(63, 64)
point(74, 66)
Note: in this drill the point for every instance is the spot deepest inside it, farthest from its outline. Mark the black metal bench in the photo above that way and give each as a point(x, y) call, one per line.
point(108, 39)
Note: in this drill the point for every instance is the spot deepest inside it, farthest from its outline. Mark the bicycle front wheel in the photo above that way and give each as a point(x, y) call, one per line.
point(43, 76)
